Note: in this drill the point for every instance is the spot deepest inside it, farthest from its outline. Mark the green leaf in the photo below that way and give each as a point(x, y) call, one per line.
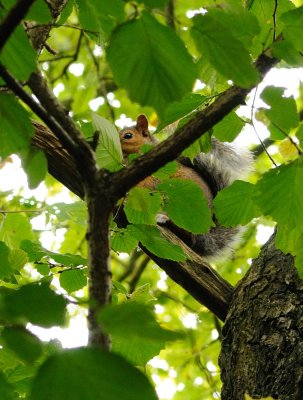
point(203, 144)
point(154, 3)
point(231, 210)
point(281, 195)
point(43, 269)
point(286, 51)
point(6, 390)
point(299, 133)
point(293, 27)
point(35, 303)
point(90, 374)
point(67, 10)
point(109, 151)
point(123, 241)
point(143, 294)
point(119, 287)
point(6, 268)
point(290, 241)
point(142, 206)
point(64, 212)
point(18, 55)
point(167, 171)
point(141, 337)
point(35, 166)
point(73, 280)
point(179, 109)
point(15, 228)
point(99, 19)
point(15, 127)
point(35, 252)
point(242, 23)
point(68, 260)
point(283, 111)
point(223, 50)
point(17, 258)
point(264, 12)
point(23, 343)
point(8, 360)
point(39, 12)
point(151, 238)
point(229, 128)
point(186, 205)
point(158, 69)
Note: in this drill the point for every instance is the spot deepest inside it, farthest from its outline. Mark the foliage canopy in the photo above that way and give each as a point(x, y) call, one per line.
point(167, 59)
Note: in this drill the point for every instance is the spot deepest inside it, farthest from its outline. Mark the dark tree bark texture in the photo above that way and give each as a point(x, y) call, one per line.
point(262, 348)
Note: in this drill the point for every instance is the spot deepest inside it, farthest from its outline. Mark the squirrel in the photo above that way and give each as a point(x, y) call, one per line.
point(212, 171)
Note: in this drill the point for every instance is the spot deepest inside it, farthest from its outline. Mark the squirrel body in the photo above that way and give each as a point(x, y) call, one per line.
point(133, 138)
point(212, 171)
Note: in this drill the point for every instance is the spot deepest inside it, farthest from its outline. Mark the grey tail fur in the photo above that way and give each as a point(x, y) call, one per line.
point(225, 163)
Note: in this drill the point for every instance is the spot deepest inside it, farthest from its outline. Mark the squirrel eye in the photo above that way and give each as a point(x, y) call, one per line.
point(128, 135)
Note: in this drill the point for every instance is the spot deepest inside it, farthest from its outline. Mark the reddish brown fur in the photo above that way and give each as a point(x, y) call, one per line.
point(141, 136)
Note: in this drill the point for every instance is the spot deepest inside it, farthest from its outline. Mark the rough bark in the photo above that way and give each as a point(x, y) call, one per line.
point(262, 347)
point(99, 272)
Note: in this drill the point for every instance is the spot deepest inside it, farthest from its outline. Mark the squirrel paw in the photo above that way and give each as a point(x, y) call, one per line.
point(162, 219)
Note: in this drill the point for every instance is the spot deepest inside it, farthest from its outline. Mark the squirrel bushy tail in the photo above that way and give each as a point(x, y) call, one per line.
point(223, 164)
point(219, 168)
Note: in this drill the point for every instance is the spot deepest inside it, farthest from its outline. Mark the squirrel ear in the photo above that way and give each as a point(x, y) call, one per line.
point(142, 124)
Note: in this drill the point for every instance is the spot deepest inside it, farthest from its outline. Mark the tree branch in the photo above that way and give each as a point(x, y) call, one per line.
point(39, 33)
point(49, 101)
point(194, 275)
point(172, 147)
point(38, 110)
point(13, 18)
point(72, 141)
point(197, 277)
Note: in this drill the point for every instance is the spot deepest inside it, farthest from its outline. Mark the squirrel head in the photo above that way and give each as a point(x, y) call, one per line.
point(134, 137)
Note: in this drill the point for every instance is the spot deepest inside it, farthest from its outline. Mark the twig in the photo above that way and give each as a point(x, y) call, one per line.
point(274, 19)
point(56, 58)
point(130, 265)
point(13, 18)
point(256, 132)
point(64, 26)
point(176, 300)
point(73, 59)
point(81, 151)
point(262, 147)
point(96, 64)
point(138, 272)
point(288, 137)
point(170, 14)
point(20, 211)
point(50, 49)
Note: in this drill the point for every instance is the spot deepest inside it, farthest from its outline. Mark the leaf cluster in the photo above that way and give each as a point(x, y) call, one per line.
point(124, 58)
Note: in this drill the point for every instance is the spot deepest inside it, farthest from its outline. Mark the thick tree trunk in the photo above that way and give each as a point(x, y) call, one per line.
point(262, 348)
